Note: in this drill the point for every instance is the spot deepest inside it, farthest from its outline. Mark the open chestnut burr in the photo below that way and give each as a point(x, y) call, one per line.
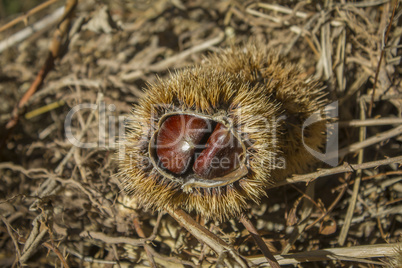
point(213, 138)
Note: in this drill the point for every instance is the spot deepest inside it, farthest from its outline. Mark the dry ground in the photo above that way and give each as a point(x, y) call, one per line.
point(61, 205)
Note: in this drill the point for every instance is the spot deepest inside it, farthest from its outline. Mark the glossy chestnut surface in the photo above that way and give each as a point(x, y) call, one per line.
point(221, 155)
point(189, 146)
point(177, 140)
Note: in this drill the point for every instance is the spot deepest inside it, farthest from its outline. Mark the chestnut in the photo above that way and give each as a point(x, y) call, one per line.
point(185, 140)
point(178, 137)
point(221, 156)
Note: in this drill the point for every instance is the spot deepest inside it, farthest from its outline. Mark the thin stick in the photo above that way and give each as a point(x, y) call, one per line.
point(141, 234)
point(258, 240)
point(29, 13)
point(34, 239)
point(28, 31)
point(114, 240)
point(164, 64)
point(341, 169)
point(371, 122)
point(357, 253)
point(10, 232)
point(54, 53)
point(283, 9)
point(370, 141)
point(60, 166)
point(381, 57)
point(58, 253)
point(331, 207)
point(307, 209)
point(356, 187)
point(87, 259)
point(205, 236)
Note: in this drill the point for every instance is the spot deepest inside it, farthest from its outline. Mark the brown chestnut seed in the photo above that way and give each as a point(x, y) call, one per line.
point(177, 140)
point(213, 151)
point(221, 155)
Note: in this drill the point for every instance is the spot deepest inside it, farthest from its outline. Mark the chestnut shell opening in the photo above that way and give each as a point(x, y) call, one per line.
point(197, 150)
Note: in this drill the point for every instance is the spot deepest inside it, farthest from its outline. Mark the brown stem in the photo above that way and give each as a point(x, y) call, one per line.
point(258, 240)
point(141, 234)
point(54, 53)
point(340, 169)
point(205, 236)
point(381, 57)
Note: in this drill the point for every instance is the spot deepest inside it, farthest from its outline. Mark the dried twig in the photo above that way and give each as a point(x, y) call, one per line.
point(35, 238)
point(88, 259)
point(306, 212)
point(58, 253)
point(357, 253)
point(341, 169)
point(114, 240)
point(141, 234)
point(10, 232)
point(25, 17)
point(381, 57)
point(165, 64)
point(28, 31)
point(59, 168)
point(205, 236)
point(356, 186)
point(54, 53)
point(370, 141)
point(371, 122)
point(330, 208)
point(261, 244)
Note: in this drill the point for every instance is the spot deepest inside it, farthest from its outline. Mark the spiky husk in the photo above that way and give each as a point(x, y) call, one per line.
point(253, 89)
point(394, 261)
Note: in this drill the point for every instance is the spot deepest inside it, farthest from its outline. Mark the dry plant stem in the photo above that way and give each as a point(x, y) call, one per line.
point(88, 259)
point(29, 13)
point(37, 27)
point(163, 65)
point(371, 122)
point(341, 169)
point(331, 207)
point(357, 253)
point(258, 240)
point(58, 253)
point(370, 141)
point(301, 226)
point(114, 240)
point(162, 259)
point(34, 239)
point(59, 168)
point(10, 232)
point(205, 236)
point(141, 234)
point(51, 186)
point(381, 57)
point(54, 53)
point(356, 186)
point(283, 9)
point(156, 227)
point(201, 47)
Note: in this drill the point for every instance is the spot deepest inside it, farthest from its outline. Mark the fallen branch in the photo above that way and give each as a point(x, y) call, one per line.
point(59, 37)
point(205, 236)
point(357, 253)
point(341, 169)
point(114, 240)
